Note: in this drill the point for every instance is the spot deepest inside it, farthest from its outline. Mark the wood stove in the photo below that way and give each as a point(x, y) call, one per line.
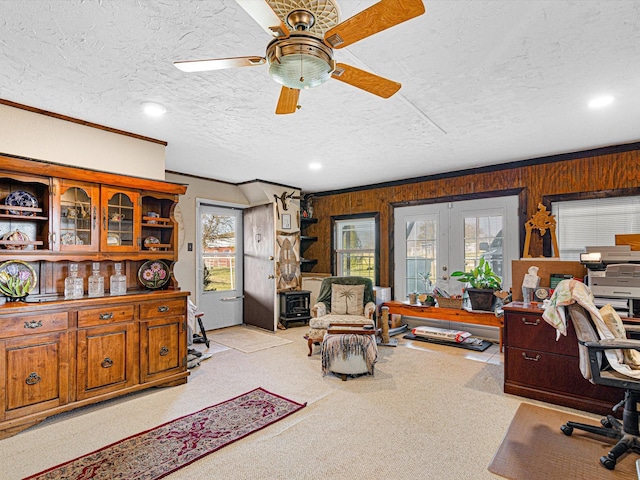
point(294, 306)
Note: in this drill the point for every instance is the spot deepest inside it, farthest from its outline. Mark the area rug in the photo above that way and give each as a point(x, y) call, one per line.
point(534, 448)
point(481, 347)
point(162, 450)
point(245, 339)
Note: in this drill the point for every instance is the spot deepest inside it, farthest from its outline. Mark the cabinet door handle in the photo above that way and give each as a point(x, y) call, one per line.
point(107, 362)
point(533, 359)
point(33, 324)
point(95, 216)
point(104, 218)
point(33, 378)
point(106, 316)
point(164, 351)
point(163, 308)
point(527, 322)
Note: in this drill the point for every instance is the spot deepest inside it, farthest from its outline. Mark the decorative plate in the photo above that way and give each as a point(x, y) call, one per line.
point(17, 279)
point(113, 239)
point(20, 198)
point(149, 243)
point(15, 236)
point(71, 239)
point(154, 274)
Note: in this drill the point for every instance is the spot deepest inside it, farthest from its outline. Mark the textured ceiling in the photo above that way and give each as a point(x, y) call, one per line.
point(484, 82)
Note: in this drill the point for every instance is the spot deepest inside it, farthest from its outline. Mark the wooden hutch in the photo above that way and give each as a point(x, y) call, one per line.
point(57, 354)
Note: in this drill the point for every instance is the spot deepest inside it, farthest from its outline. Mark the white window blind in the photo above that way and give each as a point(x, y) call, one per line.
point(594, 222)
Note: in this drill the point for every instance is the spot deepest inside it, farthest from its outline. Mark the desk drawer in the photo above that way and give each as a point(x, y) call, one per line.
point(531, 332)
point(33, 324)
point(552, 372)
point(105, 315)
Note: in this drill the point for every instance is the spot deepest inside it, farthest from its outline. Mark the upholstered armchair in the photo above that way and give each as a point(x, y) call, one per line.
point(341, 300)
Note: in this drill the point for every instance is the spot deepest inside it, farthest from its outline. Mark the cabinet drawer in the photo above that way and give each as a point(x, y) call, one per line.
point(530, 331)
point(33, 324)
point(105, 315)
point(163, 308)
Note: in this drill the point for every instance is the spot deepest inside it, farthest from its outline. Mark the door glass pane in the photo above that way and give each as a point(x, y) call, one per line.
point(218, 252)
point(75, 224)
point(421, 254)
point(120, 213)
point(483, 239)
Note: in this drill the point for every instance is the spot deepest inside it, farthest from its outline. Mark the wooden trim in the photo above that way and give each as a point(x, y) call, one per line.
point(595, 152)
point(12, 163)
point(85, 123)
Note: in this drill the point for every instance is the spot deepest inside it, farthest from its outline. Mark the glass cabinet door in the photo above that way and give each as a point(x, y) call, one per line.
point(120, 220)
point(77, 213)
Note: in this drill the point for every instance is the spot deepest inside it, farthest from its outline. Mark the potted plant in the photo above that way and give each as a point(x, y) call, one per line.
point(483, 282)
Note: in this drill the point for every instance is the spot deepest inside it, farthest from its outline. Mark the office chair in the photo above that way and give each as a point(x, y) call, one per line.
point(595, 368)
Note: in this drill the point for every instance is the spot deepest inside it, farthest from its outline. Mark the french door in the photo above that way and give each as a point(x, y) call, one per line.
point(219, 253)
point(433, 240)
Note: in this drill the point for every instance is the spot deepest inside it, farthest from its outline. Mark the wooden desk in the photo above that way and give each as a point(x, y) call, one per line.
point(455, 315)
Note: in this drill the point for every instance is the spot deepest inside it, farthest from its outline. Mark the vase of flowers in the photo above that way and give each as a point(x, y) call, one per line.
point(17, 280)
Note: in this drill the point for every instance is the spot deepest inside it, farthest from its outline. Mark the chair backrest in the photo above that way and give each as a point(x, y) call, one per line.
point(324, 295)
point(586, 332)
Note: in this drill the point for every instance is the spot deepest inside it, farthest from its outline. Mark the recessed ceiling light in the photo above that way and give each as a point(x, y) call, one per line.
point(315, 166)
point(153, 109)
point(601, 101)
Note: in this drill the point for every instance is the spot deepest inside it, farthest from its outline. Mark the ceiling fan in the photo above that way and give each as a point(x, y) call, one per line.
point(305, 33)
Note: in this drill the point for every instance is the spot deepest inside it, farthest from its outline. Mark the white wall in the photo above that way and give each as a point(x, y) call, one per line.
point(41, 137)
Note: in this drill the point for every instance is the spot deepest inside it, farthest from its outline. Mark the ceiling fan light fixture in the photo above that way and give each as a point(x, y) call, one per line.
point(300, 62)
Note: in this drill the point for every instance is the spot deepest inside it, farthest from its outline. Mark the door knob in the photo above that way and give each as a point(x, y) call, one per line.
point(270, 276)
point(270, 257)
point(445, 277)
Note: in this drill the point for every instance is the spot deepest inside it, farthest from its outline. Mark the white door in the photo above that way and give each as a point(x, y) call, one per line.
point(445, 237)
point(219, 253)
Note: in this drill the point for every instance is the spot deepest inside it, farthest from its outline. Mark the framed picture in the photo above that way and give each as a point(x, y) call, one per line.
point(286, 221)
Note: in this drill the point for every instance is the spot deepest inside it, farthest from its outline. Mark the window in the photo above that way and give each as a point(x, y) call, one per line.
point(355, 246)
point(593, 222)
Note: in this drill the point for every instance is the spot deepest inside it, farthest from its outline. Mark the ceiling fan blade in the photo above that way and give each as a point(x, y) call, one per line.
point(218, 63)
point(369, 82)
point(264, 15)
point(288, 101)
point(378, 17)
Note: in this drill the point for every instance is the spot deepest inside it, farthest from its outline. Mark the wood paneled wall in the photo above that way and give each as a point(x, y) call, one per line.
point(605, 169)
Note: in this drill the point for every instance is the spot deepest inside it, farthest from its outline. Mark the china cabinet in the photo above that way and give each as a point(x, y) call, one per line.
point(58, 354)
point(75, 212)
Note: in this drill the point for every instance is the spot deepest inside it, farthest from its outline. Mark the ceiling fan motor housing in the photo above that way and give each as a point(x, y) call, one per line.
point(300, 61)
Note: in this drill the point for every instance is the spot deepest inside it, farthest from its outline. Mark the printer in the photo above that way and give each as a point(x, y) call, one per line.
point(614, 277)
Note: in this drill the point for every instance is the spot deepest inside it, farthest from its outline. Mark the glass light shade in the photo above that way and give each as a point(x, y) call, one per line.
point(300, 71)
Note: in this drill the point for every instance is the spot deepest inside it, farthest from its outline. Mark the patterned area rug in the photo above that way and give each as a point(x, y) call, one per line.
point(160, 451)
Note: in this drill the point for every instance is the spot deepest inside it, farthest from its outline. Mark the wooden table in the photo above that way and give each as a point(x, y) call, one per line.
point(345, 328)
point(452, 314)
